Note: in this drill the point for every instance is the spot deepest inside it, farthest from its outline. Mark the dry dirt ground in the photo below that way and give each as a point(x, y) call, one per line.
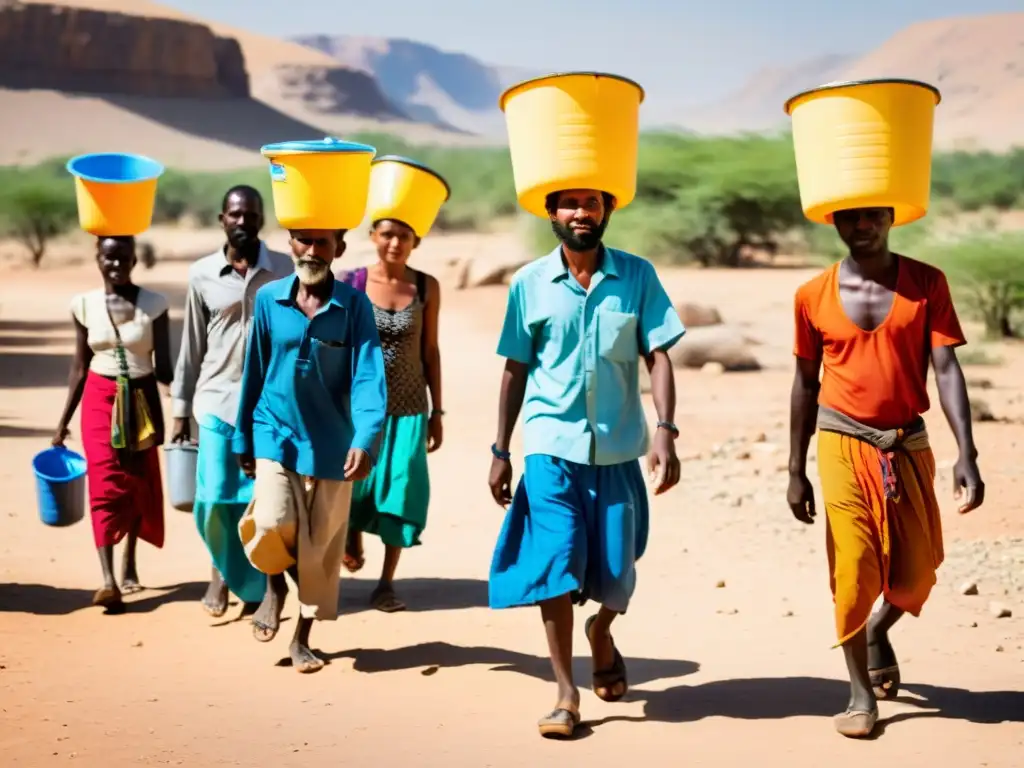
point(728, 639)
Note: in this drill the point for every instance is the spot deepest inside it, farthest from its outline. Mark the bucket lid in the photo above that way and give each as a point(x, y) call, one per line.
point(788, 107)
point(415, 164)
point(555, 75)
point(327, 144)
point(84, 167)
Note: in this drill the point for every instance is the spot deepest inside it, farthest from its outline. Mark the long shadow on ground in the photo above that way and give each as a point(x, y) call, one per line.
point(46, 600)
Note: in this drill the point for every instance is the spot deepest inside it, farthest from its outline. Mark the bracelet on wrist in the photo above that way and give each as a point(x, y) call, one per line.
point(670, 427)
point(500, 454)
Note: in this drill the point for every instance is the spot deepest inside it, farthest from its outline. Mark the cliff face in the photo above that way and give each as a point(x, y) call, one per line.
point(73, 49)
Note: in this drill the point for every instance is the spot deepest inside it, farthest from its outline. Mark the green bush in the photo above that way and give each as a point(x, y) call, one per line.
point(709, 200)
point(35, 212)
point(985, 275)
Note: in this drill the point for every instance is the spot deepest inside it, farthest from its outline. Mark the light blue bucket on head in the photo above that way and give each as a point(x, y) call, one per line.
point(116, 192)
point(60, 486)
point(182, 464)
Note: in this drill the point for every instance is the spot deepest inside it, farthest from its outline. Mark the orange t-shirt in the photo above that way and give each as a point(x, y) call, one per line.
point(878, 377)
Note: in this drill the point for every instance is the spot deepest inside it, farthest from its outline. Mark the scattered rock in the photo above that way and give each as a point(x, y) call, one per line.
point(981, 411)
point(999, 611)
point(968, 588)
point(742, 455)
point(999, 649)
point(698, 315)
point(787, 615)
point(476, 272)
point(720, 344)
point(720, 585)
point(712, 369)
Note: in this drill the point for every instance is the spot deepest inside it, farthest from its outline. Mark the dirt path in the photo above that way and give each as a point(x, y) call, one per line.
point(723, 675)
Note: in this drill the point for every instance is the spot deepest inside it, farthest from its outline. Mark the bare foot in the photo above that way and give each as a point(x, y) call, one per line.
point(353, 559)
point(215, 601)
point(303, 659)
point(267, 619)
point(130, 577)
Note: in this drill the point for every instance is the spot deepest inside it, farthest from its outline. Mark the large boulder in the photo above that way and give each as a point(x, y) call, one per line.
point(721, 344)
point(698, 315)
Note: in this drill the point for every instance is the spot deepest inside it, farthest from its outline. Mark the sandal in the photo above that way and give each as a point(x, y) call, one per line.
point(559, 724)
point(611, 678)
point(385, 601)
point(856, 723)
point(109, 599)
point(885, 682)
point(353, 564)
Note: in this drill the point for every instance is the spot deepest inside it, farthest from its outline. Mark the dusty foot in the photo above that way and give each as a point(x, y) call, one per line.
point(303, 659)
point(130, 578)
point(267, 619)
point(883, 666)
point(384, 599)
point(353, 559)
point(215, 601)
point(608, 682)
point(856, 724)
point(109, 597)
point(561, 722)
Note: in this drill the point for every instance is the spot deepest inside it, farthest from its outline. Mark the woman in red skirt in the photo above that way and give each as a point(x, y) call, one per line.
point(122, 350)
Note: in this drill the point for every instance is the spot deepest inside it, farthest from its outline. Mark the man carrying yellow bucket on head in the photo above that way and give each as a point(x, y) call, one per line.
point(405, 198)
point(313, 396)
point(577, 322)
point(873, 322)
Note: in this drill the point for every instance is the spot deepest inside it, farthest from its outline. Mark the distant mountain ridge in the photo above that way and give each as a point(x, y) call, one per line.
point(428, 84)
point(977, 62)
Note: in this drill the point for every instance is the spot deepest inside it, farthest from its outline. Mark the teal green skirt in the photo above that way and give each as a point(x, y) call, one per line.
point(392, 501)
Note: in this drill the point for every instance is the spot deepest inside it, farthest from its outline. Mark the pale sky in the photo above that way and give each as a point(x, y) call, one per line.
point(689, 52)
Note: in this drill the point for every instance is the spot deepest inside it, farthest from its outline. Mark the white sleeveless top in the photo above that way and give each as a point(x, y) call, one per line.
point(90, 309)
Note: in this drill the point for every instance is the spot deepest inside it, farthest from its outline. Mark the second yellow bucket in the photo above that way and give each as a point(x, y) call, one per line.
point(578, 130)
point(407, 191)
point(116, 192)
point(319, 184)
point(864, 144)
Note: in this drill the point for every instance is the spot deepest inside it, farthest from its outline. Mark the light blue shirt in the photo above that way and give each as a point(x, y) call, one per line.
point(311, 388)
point(582, 400)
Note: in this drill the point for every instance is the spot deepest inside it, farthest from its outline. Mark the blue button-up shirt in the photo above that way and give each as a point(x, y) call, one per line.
point(582, 348)
point(311, 388)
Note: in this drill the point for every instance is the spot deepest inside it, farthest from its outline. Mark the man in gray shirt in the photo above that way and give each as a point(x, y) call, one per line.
point(221, 289)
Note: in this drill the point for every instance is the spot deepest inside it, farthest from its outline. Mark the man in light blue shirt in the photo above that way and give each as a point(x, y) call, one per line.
point(577, 323)
point(310, 412)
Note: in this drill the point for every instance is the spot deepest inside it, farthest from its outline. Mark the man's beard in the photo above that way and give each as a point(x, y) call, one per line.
point(583, 241)
point(311, 271)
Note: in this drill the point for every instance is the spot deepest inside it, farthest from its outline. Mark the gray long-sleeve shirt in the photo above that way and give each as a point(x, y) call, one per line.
point(218, 308)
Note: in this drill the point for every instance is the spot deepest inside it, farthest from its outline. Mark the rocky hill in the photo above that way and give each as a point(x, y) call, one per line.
point(977, 62)
point(426, 83)
point(138, 76)
point(89, 51)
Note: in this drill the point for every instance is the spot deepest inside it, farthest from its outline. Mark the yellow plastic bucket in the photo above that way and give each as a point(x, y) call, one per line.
point(319, 184)
point(578, 130)
point(406, 191)
point(116, 192)
point(864, 144)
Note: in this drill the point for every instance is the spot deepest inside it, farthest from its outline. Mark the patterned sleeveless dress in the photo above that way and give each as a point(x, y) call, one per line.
point(392, 501)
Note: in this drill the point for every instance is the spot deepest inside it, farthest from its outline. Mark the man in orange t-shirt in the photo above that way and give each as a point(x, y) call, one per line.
point(873, 321)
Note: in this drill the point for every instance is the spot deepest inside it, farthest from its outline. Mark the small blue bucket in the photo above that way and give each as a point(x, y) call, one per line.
point(182, 463)
point(60, 486)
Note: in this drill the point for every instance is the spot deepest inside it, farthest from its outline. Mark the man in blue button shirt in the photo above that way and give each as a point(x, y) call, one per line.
point(310, 412)
point(577, 323)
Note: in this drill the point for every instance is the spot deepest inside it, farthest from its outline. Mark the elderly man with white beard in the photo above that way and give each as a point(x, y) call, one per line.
point(311, 409)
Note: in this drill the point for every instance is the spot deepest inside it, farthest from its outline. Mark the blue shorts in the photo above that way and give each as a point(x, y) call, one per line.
point(571, 529)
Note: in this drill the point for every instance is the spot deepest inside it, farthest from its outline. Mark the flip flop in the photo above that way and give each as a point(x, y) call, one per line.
point(385, 601)
point(609, 678)
point(262, 633)
point(886, 682)
point(856, 723)
point(214, 611)
point(558, 724)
